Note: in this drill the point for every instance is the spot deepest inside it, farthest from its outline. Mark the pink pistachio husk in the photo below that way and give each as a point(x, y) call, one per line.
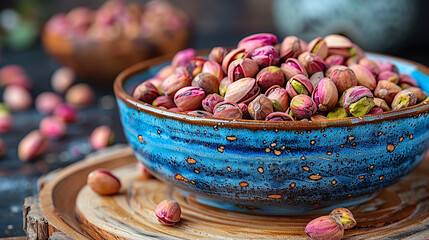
point(278, 116)
point(101, 137)
point(375, 110)
point(165, 72)
point(62, 79)
point(370, 65)
point(210, 101)
point(304, 81)
point(270, 76)
point(387, 66)
point(213, 68)
point(331, 69)
point(318, 46)
point(325, 95)
point(163, 101)
point(311, 62)
point(183, 57)
point(354, 94)
point(52, 127)
point(302, 106)
point(325, 228)
point(32, 146)
point(407, 79)
point(17, 98)
point(234, 54)
point(266, 56)
point(243, 90)
point(217, 54)
point(200, 113)
point(80, 95)
point(228, 110)
point(344, 78)
point(168, 212)
point(389, 76)
point(334, 60)
point(146, 92)
point(403, 99)
point(244, 110)
point(173, 83)
point(364, 77)
point(292, 67)
point(386, 90)
point(66, 112)
point(241, 68)
point(260, 107)
point(189, 98)
point(316, 77)
point(254, 41)
point(290, 47)
point(47, 102)
point(207, 81)
point(279, 97)
point(195, 66)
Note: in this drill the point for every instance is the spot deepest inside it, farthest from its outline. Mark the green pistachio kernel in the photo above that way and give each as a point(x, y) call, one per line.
point(337, 113)
point(361, 107)
point(299, 87)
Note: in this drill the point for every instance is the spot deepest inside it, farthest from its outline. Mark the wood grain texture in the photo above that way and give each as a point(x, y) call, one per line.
point(400, 211)
point(36, 226)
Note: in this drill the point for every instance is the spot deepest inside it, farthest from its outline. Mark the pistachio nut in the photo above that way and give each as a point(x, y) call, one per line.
point(279, 97)
point(266, 56)
point(324, 228)
point(311, 62)
point(403, 99)
point(302, 106)
point(346, 217)
point(260, 107)
point(344, 78)
point(163, 101)
point(173, 83)
point(103, 182)
point(243, 90)
point(217, 54)
point(241, 68)
point(254, 41)
point(210, 101)
point(227, 110)
point(292, 67)
point(337, 113)
point(364, 77)
point(278, 116)
point(189, 98)
point(420, 94)
point(358, 100)
point(386, 90)
point(270, 76)
point(207, 81)
point(146, 92)
point(389, 76)
point(182, 58)
point(290, 47)
point(380, 103)
point(168, 212)
point(299, 84)
point(319, 47)
point(325, 95)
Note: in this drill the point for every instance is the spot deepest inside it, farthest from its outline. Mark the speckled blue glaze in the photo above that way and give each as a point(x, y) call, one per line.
point(282, 168)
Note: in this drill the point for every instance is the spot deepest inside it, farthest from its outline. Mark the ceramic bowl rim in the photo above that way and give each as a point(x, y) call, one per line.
point(125, 75)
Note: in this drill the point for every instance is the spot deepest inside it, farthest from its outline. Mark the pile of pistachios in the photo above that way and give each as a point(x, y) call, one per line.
point(263, 79)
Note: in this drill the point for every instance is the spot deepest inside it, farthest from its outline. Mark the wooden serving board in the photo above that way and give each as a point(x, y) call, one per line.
point(400, 211)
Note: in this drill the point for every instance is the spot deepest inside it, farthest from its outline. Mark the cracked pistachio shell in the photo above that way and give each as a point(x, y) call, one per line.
point(346, 217)
point(103, 182)
point(189, 98)
point(403, 99)
point(316, 77)
point(358, 100)
point(266, 56)
point(325, 95)
point(279, 97)
point(243, 90)
point(278, 116)
point(217, 54)
point(163, 101)
point(223, 86)
point(311, 62)
point(32, 145)
point(290, 47)
point(260, 107)
point(173, 83)
point(241, 68)
point(227, 110)
point(325, 228)
point(364, 77)
point(353, 60)
point(420, 94)
point(380, 103)
point(292, 67)
point(213, 68)
point(370, 65)
point(337, 113)
point(146, 92)
point(338, 41)
point(334, 60)
point(182, 58)
point(386, 90)
point(299, 84)
point(389, 76)
point(258, 40)
point(319, 47)
point(195, 66)
point(270, 76)
point(207, 81)
point(168, 212)
point(344, 78)
point(302, 106)
point(234, 54)
point(210, 101)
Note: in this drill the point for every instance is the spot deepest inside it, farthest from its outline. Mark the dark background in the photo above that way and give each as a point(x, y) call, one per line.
point(214, 23)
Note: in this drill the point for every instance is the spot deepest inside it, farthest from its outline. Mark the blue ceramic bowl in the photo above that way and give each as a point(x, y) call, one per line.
point(274, 167)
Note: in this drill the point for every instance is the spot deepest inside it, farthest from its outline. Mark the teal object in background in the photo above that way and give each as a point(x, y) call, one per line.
point(276, 168)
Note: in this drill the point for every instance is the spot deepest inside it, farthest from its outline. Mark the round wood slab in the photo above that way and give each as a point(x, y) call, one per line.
point(400, 211)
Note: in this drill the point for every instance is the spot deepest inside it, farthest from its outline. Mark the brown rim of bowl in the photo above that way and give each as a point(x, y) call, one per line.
point(415, 110)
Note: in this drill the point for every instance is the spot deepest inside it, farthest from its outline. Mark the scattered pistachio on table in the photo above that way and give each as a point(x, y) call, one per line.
point(328, 78)
point(168, 212)
point(103, 182)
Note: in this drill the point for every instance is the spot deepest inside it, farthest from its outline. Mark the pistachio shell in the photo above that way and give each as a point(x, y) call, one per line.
point(319, 47)
point(386, 90)
point(270, 76)
point(260, 107)
point(292, 67)
point(311, 62)
point(227, 110)
point(189, 98)
point(299, 84)
point(403, 99)
point(338, 41)
point(344, 78)
point(324, 228)
point(290, 47)
point(168, 212)
point(302, 106)
point(278, 116)
point(241, 68)
point(242, 90)
point(364, 77)
point(325, 95)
